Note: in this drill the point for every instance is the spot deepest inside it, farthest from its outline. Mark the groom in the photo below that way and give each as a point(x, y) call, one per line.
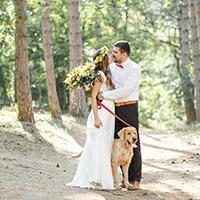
point(126, 76)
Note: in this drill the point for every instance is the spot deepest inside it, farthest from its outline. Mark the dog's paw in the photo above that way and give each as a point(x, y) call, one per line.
point(124, 189)
point(117, 188)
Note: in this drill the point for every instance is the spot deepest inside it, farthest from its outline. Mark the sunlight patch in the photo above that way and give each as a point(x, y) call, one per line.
point(60, 139)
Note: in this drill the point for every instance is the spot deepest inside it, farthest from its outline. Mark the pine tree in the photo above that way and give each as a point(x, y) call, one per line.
point(23, 92)
point(49, 64)
point(77, 97)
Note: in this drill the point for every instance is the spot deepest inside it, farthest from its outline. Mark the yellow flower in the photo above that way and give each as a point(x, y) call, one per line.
point(92, 68)
point(85, 67)
point(85, 74)
point(80, 76)
point(103, 52)
point(68, 80)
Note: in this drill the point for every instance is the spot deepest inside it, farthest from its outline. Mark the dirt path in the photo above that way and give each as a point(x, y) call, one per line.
point(31, 169)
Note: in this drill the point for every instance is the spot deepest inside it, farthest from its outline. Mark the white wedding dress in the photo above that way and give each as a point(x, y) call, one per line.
point(94, 168)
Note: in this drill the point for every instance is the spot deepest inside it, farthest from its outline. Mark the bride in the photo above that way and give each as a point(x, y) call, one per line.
point(94, 169)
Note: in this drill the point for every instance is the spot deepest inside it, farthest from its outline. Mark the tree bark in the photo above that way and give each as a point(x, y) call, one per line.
point(186, 84)
point(195, 14)
point(23, 92)
point(49, 64)
point(62, 96)
point(126, 14)
point(77, 98)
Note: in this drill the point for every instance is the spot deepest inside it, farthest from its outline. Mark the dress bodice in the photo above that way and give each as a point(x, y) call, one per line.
point(104, 87)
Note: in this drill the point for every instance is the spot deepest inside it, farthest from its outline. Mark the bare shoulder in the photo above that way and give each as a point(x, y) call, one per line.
point(101, 76)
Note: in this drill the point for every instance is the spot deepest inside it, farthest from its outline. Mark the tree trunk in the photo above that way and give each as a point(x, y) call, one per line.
point(77, 97)
point(126, 14)
point(186, 84)
point(62, 97)
point(195, 14)
point(23, 92)
point(49, 65)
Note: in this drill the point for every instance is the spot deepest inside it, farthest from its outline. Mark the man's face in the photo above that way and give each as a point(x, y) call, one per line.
point(117, 54)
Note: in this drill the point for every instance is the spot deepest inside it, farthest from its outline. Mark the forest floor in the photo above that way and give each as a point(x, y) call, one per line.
point(36, 162)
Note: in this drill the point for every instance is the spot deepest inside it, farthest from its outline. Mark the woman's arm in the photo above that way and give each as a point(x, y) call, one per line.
point(95, 91)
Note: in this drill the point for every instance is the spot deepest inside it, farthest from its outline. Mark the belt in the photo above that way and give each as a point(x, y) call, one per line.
point(125, 103)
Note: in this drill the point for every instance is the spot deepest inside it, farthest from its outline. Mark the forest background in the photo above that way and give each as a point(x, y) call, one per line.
point(163, 36)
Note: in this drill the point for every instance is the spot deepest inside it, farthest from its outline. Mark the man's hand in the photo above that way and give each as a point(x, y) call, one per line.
point(100, 96)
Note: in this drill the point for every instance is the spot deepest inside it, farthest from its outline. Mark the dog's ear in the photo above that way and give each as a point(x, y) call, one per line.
point(121, 134)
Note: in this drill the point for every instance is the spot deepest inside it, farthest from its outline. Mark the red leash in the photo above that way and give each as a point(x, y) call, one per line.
point(99, 104)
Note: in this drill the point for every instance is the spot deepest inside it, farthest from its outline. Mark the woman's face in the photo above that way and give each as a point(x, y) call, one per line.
point(110, 59)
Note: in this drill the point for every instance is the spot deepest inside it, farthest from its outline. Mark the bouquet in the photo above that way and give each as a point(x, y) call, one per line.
point(81, 76)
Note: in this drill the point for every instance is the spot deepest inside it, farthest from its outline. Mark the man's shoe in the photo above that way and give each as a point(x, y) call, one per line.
point(137, 185)
point(134, 185)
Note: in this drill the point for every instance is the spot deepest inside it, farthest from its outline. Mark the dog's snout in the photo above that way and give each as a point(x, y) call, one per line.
point(134, 139)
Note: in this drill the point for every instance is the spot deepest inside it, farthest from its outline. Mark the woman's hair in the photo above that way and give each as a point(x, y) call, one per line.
point(103, 65)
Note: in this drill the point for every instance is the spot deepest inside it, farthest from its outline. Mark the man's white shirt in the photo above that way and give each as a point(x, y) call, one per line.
point(126, 82)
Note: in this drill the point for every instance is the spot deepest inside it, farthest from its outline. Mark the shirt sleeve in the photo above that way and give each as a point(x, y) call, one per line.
point(130, 82)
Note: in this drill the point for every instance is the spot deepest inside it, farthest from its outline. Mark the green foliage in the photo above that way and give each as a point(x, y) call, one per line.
point(59, 30)
point(7, 53)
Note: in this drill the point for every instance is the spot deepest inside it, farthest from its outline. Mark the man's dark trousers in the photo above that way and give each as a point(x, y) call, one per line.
point(129, 113)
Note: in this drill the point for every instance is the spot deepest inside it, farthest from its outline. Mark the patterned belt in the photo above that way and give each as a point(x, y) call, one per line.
point(125, 103)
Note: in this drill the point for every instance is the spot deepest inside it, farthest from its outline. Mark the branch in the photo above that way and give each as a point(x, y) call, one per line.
point(169, 43)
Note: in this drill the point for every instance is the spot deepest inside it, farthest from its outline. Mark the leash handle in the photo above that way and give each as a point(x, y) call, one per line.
point(99, 104)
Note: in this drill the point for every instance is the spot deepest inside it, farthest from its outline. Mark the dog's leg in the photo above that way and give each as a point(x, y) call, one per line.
point(115, 177)
point(125, 171)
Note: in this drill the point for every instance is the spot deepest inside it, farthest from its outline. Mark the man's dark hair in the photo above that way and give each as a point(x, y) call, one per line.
point(124, 46)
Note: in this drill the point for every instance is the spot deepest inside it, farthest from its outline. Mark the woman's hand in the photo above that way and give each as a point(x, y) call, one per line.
point(98, 123)
point(87, 88)
point(100, 96)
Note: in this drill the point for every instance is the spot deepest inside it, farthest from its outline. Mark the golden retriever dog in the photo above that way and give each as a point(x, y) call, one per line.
point(122, 153)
